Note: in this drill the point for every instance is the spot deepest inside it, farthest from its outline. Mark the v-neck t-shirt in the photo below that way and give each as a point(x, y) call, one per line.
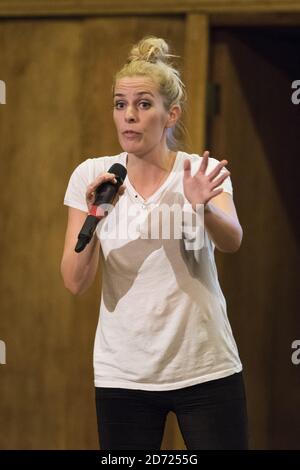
point(163, 321)
point(159, 190)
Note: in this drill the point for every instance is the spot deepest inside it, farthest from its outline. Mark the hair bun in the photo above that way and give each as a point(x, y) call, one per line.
point(150, 49)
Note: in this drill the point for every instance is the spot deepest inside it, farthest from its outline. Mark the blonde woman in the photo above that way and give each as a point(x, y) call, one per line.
point(163, 341)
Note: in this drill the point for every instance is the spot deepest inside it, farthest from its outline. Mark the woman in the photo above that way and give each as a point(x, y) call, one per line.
point(163, 340)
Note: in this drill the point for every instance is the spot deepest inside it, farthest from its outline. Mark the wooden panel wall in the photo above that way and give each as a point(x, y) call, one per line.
point(195, 78)
point(58, 75)
point(218, 8)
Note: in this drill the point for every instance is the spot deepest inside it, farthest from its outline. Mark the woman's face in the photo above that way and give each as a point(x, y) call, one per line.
point(140, 116)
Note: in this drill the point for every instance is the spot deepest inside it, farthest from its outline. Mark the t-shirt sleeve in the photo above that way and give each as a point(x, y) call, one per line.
point(76, 189)
point(227, 184)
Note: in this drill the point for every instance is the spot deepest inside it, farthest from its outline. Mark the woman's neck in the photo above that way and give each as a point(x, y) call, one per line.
point(152, 165)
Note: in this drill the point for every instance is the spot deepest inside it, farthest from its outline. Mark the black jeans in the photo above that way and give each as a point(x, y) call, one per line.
point(211, 415)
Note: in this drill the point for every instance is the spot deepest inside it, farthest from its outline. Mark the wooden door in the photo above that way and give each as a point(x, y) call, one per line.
point(255, 126)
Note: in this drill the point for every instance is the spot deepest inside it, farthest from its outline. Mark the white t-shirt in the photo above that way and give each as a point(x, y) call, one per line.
point(163, 323)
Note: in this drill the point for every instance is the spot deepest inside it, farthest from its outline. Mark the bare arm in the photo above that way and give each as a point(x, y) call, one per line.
point(220, 217)
point(78, 269)
point(222, 224)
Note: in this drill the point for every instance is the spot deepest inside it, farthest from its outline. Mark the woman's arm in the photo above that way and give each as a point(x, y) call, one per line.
point(78, 269)
point(222, 224)
point(220, 217)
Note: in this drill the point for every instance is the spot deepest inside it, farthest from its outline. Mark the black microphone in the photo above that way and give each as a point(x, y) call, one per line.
point(105, 194)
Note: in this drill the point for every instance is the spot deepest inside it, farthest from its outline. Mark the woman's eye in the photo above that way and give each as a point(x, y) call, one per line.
point(145, 104)
point(119, 105)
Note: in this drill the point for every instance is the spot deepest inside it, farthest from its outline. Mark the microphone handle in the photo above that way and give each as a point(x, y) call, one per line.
point(86, 232)
point(105, 194)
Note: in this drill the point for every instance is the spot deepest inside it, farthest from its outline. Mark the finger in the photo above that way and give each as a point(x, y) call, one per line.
point(220, 180)
point(101, 179)
point(119, 193)
point(109, 177)
point(116, 198)
point(90, 194)
point(217, 169)
point(204, 163)
point(187, 168)
point(103, 176)
point(122, 189)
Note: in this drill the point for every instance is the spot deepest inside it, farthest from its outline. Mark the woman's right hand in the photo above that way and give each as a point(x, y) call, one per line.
point(91, 191)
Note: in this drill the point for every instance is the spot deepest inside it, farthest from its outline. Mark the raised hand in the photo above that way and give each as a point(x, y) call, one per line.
point(200, 188)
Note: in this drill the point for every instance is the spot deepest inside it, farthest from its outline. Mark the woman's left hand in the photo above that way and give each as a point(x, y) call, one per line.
point(199, 189)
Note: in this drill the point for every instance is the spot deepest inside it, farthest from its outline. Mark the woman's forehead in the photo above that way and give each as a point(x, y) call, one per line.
point(136, 85)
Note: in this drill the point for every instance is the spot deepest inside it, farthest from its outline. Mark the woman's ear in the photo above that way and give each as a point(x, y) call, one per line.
point(174, 114)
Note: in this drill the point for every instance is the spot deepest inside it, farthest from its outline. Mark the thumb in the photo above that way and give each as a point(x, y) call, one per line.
point(119, 193)
point(122, 189)
point(187, 168)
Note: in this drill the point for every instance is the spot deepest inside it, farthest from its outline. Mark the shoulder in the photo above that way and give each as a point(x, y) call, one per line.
point(90, 168)
point(196, 161)
point(84, 174)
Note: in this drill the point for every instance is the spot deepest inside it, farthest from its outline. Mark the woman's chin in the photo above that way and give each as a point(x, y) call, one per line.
point(131, 148)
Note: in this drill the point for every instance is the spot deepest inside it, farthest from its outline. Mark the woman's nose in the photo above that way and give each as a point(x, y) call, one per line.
point(130, 115)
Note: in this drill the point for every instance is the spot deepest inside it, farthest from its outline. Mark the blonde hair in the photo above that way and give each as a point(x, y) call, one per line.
point(150, 57)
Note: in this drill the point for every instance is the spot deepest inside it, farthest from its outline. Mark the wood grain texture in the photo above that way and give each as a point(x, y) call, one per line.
point(257, 131)
point(58, 112)
point(116, 7)
point(196, 73)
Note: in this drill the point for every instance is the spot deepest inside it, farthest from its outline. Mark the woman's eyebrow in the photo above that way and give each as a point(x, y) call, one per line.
point(145, 93)
point(139, 93)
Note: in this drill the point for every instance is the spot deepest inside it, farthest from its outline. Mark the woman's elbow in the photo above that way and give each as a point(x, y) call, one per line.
point(72, 287)
point(235, 242)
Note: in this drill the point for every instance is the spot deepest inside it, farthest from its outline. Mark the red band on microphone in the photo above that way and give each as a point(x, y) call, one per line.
point(96, 211)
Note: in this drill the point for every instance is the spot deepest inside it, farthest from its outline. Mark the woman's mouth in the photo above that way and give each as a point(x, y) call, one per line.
point(131, 134)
